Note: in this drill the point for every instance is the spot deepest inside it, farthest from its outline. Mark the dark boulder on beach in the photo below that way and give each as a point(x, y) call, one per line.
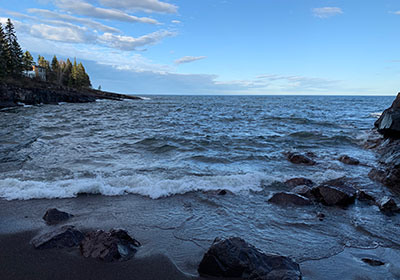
point(299, 159)
point(286, 198)
point(235, 258)
point(109, 246)
point(300, 181)
point(388, 123)
point(335, 192)
point(349, 160)
point(54, 216)
point(387, 205)
point(64, 237)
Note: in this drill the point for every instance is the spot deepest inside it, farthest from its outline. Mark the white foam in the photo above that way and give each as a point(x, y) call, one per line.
point(376, 115)
point(153, 187)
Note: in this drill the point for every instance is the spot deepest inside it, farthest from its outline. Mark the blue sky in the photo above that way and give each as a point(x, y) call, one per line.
point(220, 46)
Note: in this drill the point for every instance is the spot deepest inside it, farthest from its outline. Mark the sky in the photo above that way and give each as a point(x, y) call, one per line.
point(338, 47)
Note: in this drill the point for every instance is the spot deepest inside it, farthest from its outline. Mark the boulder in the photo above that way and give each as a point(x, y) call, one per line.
point(349, 160)
point(64, 237)
point(364, 195)
point(387, 205)
point(286, 198)
point(305, 191)
point(388, 123)
point(109, 246)
point(335, 192)
point(294, 182)
point(235, 258)
point(373, 262)
point(300, 159)
point(54, 216)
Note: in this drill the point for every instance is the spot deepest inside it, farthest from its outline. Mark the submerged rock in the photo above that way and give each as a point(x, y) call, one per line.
point(300, 181)
point(364, 195)
point(303, 190)
point(286, 198)
point(387, 205)
point(54, 216)
point(109, 246)
point(373, 262)
point(335, 192)
point(349, 160)
point(235, 258)
point(64, 237)
point(300, 159)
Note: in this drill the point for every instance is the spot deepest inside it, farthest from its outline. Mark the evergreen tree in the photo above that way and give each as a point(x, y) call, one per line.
point(55, 70)
point(14, 53)
point(67, 69)
point(42, 62)
point(3, 53)
point(27, 61)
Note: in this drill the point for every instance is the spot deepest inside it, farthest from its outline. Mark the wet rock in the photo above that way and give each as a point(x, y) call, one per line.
point(387, 205)
point(335, 192)
point(305, 191)
point(388, 123)
point(54, 216)
point(300, 159)
point(286, 198)
point(64, 237)
point(363, 195)
point(235, 258)
point(349, 160)
point(109, 246)
point(320, 216)
point(373, 262)
point(294, 182)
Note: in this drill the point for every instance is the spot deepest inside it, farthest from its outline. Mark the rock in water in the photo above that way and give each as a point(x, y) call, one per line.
point(335, 192)
point(388, 123)
point(299, 159)
point(54, 216)
point(349, 160)
point(64, 237)
point(235, 258)
point(109, 246)
point(294, 182)
point(372, 262)
point(286, 198)
point(387, 205)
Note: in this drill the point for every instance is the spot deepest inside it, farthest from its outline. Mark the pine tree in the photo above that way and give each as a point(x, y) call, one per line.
point(3, 55)
point(27, 61)
point(73, 77)
point(67, 72)
point(42, 62)
point(14, 53)
point(55, 70)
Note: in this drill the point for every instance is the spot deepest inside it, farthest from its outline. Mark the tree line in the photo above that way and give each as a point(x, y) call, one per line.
point(13, 62)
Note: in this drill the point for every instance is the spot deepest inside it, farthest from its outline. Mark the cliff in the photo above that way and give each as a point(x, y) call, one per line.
point(32, 93)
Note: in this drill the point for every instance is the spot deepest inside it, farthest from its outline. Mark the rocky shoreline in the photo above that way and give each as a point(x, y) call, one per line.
point(34, 93)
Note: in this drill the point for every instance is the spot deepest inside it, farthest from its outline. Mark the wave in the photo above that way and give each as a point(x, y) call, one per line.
point(153, 187)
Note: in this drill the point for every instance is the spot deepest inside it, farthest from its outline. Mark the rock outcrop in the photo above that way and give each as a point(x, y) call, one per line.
point(388, 170)
point(235, 258)
point(64, 237)
point(54, 216)
point(45, 93)
point(109, 246)
point(337, 192)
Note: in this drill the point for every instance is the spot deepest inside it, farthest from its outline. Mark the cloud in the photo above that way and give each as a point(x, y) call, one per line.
point(326, 12)
point(128, 43)
point(143, 5)
point(83, 8)
point(188, 59)
point(88, 22)
point(175, 21)
point(59, 33)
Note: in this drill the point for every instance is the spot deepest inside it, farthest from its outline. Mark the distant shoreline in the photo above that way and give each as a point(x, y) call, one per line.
point(32, 92)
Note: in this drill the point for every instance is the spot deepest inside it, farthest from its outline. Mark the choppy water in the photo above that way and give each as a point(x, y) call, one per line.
point(172, 145)
point(175, 144)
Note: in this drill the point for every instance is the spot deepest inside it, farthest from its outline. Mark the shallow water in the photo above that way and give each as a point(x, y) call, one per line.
point(175, 144)
point(177, 148)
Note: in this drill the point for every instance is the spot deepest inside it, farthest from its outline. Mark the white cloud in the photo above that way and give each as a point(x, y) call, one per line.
point(83, 8)
point(326, 12)
point(175, 21)
point(60, 33)
point(188, 59)
point(143, 5)
point(128, 43)
point(88, 22)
